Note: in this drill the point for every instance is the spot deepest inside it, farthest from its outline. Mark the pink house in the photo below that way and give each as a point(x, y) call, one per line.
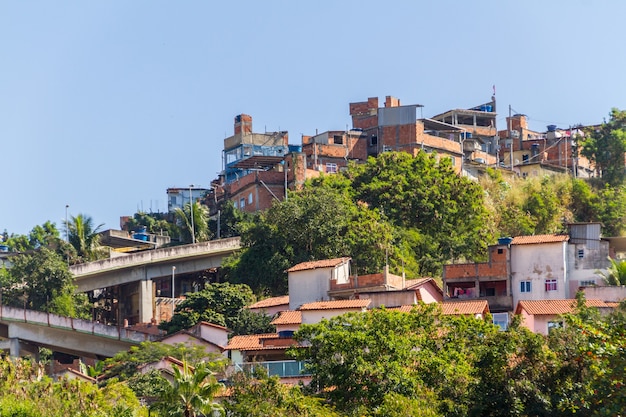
point(542, 315)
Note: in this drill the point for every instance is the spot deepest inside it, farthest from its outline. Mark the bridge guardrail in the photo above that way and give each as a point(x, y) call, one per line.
point(13, 314)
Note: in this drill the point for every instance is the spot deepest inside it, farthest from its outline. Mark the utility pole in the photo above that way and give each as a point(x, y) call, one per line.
point(510, 138)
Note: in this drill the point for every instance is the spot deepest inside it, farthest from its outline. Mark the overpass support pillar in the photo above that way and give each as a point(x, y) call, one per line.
point(146, 301)
point(14, 347)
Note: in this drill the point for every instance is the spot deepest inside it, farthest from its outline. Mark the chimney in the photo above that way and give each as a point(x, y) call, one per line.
point(391, 101)
point(243, 124)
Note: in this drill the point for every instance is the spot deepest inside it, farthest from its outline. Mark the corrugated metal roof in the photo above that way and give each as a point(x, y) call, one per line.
point(464, 307)
point(529, 240)
point(552, 307)
point(324, 263)
point(271, 302)
point(288, 317)
point(335, 305)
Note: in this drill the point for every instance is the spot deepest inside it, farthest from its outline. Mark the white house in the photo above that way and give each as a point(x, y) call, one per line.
point(539, 268)
point(310, 281)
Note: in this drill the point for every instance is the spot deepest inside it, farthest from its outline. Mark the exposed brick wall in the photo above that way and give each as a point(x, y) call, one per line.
point(243, 124)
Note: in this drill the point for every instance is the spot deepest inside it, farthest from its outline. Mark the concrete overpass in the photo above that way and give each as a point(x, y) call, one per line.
point(143, 267)
point(23, 331)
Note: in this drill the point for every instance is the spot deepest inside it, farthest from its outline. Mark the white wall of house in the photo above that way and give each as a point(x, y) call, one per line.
point(315, 316)
point(536, 263)
point(583, 264)
point(311, 285)
point(214, 334)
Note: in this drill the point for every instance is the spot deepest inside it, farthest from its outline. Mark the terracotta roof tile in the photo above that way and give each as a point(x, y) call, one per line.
point(217, 326)
point(552, 307)
point(529, 240)
point(271, 302)
point(250, 342)
point(288, 317)
point(403, 309)
point(335, 304)
point(464, 307)
point(324, 263)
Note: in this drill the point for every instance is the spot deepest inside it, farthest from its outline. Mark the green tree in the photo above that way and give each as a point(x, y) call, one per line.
point(218, 303)
point(426, 194)
point(84, 237)
point(358, 359)
point(190, 394)
point(605, 147)
point(124, 364)
point(318, 222)
point(262, 396)
point(616, 272)
point(42, 281)
point(156, 223)
point(193, 218)
point(230, 220)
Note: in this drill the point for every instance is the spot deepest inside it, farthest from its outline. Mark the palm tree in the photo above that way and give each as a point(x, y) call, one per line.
point(199, 222)
point(191, 393)
point(83, 236)
point(616, 273)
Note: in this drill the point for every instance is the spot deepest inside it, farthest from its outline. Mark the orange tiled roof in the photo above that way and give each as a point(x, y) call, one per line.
point(288, 317)
point(551, 307)
point(271, 302)
point(252, 342)
point(403, 309)
point(324, 263)
point(528, 240)
point(335, 304)
point(464, 307)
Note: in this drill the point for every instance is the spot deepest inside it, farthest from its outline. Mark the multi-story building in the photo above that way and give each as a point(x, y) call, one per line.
point(533, 153)
point(396, 127)
point(540, 267)
point(258, 168)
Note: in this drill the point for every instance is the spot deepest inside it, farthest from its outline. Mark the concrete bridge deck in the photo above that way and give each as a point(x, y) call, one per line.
point(153, 264)
point(63, 334)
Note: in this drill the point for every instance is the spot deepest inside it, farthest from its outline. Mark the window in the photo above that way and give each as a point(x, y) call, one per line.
point(331, 168)
point(338, 139)
point(242, 203)
point(374, 140)
point(525, 158)
point(500, 251)
point(525, 286)
point(236, 204)
point(250, 198)
point(588, 283)
point(501, 320)
point(554, 325)
point(490, 292)
point(551, 285)
point(581, 253)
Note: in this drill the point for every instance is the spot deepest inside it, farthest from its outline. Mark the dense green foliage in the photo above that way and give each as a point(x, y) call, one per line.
point(26, 392)
point(219, 303)
point(422, 363)
point(190, 393)
point(605, 146)
point(42, 281)
point(83, 236)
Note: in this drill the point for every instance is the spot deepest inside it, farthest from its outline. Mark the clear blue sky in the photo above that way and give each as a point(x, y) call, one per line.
point(106, 104)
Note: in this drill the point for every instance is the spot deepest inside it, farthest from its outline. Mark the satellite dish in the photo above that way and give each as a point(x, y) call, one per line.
point(517, 161)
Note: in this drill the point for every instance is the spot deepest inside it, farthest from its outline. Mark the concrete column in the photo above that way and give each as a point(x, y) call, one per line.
point(145, 301)
point(14, 347)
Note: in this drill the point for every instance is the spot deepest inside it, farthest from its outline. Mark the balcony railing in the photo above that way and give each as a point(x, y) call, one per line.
point(279, 368)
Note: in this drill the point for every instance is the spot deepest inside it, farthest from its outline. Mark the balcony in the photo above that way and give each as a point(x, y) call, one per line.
point(282, 369)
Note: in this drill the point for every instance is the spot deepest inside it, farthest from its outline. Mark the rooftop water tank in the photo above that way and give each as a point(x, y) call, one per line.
point(505, 240)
